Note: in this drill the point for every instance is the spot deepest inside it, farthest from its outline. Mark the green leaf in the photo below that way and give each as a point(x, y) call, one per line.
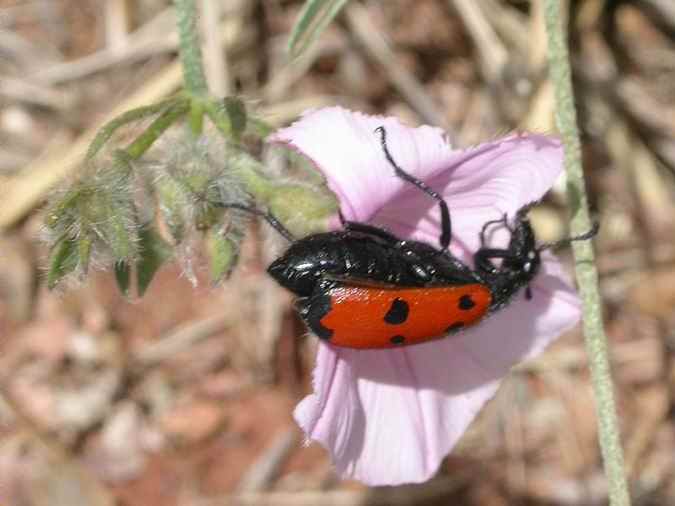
point(106, 131)
point(228, 115)
point(159, 125)
point(172, 204)
point(123, 277)
point(316, 15)
point(236, 111)
point(207, 215)
point(303, 163)
point(252, 173)
point(58, 212)
point(84, 245)
point(154, 251)
point(223, 254)
point(303, 209)
point(110, 213)
point(258, 127)
point(118, 230)
point(64, 257)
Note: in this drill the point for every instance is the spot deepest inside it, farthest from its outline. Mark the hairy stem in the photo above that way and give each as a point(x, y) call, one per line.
point(586, 273)
point(190, 50)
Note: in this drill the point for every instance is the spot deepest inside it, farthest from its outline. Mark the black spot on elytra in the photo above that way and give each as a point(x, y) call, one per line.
point(315, 308)
point(466, 302)
point(398, 312)
point(397, 340)
point(455, 327)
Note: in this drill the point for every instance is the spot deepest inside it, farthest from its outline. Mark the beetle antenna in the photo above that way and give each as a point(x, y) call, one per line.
point(267, 216)
point(446, 227)
point(564, 242)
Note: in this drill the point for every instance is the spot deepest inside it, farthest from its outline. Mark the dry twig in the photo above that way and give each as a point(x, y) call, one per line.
point(181, 339)
point(492, 54)
point(376, 47)
point(265, 468)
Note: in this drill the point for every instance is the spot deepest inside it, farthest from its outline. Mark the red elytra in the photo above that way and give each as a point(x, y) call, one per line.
point(374, 317)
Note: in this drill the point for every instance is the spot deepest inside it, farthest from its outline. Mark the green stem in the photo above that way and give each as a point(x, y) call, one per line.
point(190, 50)
point(196, 116)
point(587, 276)
point(229, 116)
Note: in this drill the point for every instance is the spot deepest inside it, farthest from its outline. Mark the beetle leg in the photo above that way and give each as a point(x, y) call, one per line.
point(483, 258)
point(564, 242)
point(268, 217)
point(446, 225)
point(503, 220)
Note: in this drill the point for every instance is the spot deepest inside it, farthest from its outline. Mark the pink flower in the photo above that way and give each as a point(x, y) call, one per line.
point(390, 416)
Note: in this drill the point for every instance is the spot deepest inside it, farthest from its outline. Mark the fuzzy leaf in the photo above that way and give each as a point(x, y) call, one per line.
point(159, 125)
point(316, 15)
point(106, 131)
point(228, 115)
point(58, 212)
point(118, 231)
point(123, 277)
point(107, 208)
point(154, 251)
point(258, 127)
point(63, 261)
point(84, 245)
point(236, 111)
point(223, 254)
point(301, 205)
point(206, 216)
point(172, 203)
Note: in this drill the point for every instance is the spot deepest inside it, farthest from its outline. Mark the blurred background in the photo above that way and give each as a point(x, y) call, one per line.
point(185, 396)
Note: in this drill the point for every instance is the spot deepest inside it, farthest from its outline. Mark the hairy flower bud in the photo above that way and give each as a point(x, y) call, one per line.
point(304, 209)
point(223, 251)
point(95, 217)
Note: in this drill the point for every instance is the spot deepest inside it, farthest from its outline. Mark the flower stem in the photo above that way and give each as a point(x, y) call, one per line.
point(190, 50)
point(587, 276)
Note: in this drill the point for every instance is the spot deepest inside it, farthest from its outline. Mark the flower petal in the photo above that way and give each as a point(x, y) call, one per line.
point(479, 185)
point(390, 416)
point(346, 149)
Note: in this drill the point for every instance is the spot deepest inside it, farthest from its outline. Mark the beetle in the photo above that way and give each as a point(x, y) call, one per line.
point(363, 287)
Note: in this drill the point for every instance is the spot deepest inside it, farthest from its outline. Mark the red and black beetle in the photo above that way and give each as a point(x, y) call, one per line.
point(363, 287)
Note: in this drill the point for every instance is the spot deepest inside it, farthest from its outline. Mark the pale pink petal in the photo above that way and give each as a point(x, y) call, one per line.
point(479, 183)
point(390, 416)
point(345, 148)
point(498, 177)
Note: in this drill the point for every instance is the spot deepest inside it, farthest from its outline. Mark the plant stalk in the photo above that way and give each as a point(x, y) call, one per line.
point(586, 273)
point(189, 48)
